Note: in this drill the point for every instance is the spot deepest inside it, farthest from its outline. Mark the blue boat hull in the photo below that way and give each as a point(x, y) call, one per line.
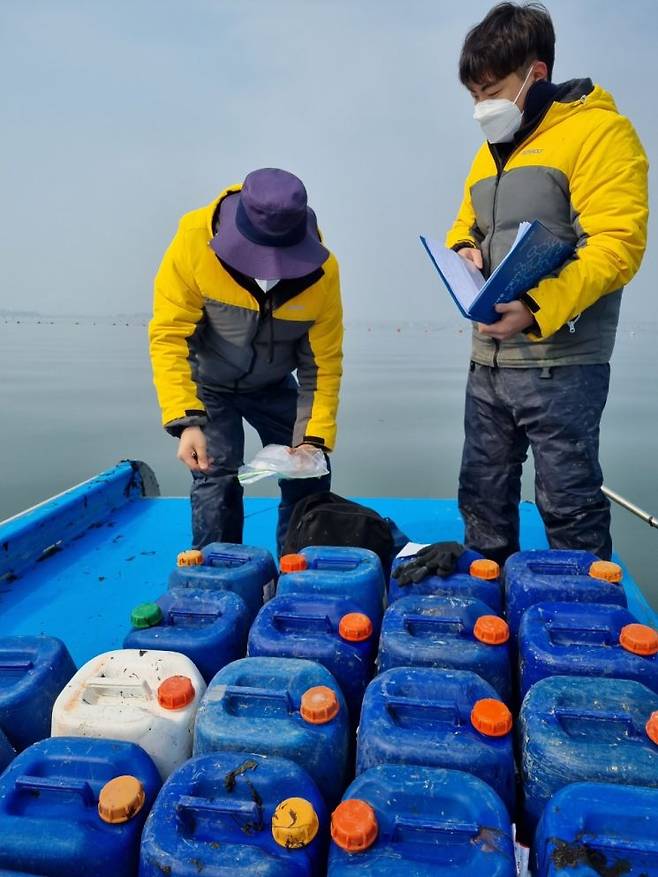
point(74, 566)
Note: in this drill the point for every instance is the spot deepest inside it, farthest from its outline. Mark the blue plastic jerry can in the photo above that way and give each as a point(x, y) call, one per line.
point(72, 807)
point(556, 575)
point(241, 814)
point(353, 573)
point(248, 571)
point(420, 821)
point(438, 718)
point(33, 671)
point(210, 627)
point(590, 829)
point(283, 707)
point(329, 630)
point(452, 633)
point(585, 729)
point(474, 577)
point(585, 639)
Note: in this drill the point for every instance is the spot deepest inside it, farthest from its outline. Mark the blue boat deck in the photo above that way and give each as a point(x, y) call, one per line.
point(74, 566)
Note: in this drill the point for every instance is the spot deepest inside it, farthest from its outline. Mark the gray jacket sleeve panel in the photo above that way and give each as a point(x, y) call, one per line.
point(307, 375)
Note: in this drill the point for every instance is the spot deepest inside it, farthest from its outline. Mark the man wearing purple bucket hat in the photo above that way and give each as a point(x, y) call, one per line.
point(246, 295)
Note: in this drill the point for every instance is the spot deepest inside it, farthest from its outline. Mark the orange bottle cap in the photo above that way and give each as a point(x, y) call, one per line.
point(639, 639)
point(294, 823)
point(355, 627)
point(652, 727)
point(491, 629)
point(491, 717)
point(606, 570)
point(190, 558)
point(319, 705)
point(354, 825)
point(293, 563)
point(484, 569)
point(176, 692)
point(121, 799)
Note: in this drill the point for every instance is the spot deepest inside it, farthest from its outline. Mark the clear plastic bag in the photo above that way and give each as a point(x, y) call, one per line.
point(278, 461)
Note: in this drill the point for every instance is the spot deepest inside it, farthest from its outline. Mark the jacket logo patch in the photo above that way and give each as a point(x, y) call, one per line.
point(531, 151)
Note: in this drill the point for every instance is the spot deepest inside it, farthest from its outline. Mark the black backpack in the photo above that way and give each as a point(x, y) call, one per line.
point(328, 519)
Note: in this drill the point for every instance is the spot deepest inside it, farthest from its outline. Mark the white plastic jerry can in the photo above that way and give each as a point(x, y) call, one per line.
point(143, 696)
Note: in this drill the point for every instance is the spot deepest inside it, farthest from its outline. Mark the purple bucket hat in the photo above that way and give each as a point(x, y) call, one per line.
point(267, 230)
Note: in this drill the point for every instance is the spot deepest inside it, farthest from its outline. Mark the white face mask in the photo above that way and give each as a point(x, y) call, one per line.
point(266, 285)
point(500, 118)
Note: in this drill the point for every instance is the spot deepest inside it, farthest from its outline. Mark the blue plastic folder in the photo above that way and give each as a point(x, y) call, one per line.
point(535, 254)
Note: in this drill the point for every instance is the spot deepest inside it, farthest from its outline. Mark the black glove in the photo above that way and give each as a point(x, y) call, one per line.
point(439, 559)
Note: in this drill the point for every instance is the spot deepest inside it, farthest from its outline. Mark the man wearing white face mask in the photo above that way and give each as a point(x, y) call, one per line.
point(539, 376)
point(246, 295)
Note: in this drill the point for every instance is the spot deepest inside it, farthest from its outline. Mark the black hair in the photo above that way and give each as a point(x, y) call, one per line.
point(509, 37)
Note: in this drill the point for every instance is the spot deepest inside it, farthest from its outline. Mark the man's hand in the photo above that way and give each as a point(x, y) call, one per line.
point(192, 449)
point(471, 254)
point(304, 449)
point(516, 317)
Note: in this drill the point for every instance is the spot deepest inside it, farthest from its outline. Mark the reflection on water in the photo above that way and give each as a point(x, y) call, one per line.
point(77, 397)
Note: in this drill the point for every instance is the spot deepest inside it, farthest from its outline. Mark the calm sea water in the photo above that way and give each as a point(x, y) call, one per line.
point(76, 397)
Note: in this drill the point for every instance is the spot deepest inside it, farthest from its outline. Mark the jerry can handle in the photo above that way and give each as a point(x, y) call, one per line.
point(221, 558)
point(8, 664)
point(200, 614)
point(136, 687)
point(297, 620)
point(445, 712)
point(602, 633)
point(327, 563)
point(219, 810)
point(279, 696)
point(556, 567)
point(620, 844)
point(432, 622)
point(409, 828)
point(36, 785)
point(598, 716)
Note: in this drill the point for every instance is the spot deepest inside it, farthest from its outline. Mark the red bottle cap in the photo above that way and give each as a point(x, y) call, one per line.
point(176, 692)
point(491, 717)
point(606, 570)
point(355, 627)
point(484, 569)
point(639, 639)
point(319, 705)
point(491, 629)
point(354, 826)
point(293, 563)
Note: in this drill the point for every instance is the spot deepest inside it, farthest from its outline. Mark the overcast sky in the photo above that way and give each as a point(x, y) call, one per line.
point(117, 117)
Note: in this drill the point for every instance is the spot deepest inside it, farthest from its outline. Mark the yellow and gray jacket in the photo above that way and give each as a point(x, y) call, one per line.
point(582, 171)
point(213, 326)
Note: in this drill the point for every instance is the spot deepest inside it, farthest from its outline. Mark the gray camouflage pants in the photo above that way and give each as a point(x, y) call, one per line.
point(216, 496)
point(556, 412)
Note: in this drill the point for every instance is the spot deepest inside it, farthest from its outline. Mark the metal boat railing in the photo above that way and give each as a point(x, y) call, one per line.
point(648, 518)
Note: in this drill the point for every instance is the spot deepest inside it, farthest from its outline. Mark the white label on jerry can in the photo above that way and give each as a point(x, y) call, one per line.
point(269, 591)
point(522, 856)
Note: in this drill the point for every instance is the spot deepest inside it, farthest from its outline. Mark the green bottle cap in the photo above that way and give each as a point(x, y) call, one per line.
point(146, 615)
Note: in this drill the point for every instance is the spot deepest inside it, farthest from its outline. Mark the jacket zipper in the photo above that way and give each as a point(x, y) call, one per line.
point(499, 174)
point(265, 312)
point(499, 169)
